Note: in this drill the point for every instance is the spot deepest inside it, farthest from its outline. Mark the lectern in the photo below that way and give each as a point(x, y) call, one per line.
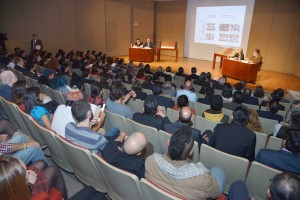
point(167, 46)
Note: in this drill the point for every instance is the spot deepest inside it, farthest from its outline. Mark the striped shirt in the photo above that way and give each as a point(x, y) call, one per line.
point(85, 137)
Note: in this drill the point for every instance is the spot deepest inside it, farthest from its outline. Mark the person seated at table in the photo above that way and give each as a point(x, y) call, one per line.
point(149, 44)
point(239, 55)
point(138, 43)
point(256, 58)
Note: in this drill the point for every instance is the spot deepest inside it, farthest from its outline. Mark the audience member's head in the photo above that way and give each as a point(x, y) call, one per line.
point(238, 86)
point(134, 144)
point(157, 89)
point(147, 68)
point(8, 78)
point(58, 81)
point(50, 74)
point(275, 96)
point(244, 83)
point(292, 140)
point(187, 85)
point(202, 76)
point(140, 73)
point(222, 80)
point(81, 110)
point(73, 96)
point(32, 98)
point(169, 69)
point(284, 186)
point(238, 97)
point(209, 92)
point(155, 76)
point(216, 102)
point(180, 70)
point(259, 92)
point(194, 70)
point(118, 91)
point(13, 181)
point(240, 116)
point(19, 61)
point(280, 92)
point(150, 106)
point(136, 86)
point(295, 120)
point(253, 121)
point(77, 81)
point(247, 92)
point(181, 144)
point(208, 76)
point(227, 91)
point(185, 115)
point(168, 78)
point(204, 87)
point(182, 101)
point(96, 90)
point(18, 91)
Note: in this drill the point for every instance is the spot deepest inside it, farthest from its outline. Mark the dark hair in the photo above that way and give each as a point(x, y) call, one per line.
point(227, 91)
point(280, 92)
point(247, 92)
point(285, 186)
point(117, 92)
point(257, 50)
point(194, 70)
point(77, 81)
point(18, 91)
point(243, 82)
point(181, 144)
point(155, 76)
point(240, 115)
point(295, 120)
point(275, 96)
point(79, 110)
point(57, 82)
point(147, 82)
point(136, 86)
point(96, 89)
point(238, 97)
point(204, 87)
point(184, 119)
point(208, 75)
point(202, 76)
point(157, 89)
point(238, 86)
point(85, 73)
point(31, 98)
point(140, 73)
point(293, 140)
point(147, 68)
point(168, 77)
point(182, 101)
point(150, 106)
point(216, 102)
point(180, 70)
point(168, 69)
point(273, 106)
point(259, 92)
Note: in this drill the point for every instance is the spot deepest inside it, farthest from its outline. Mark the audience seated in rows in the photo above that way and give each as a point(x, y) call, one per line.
point(187, 91)
point(275, 96)
point(81, 134)
point(248, 99)
point(215, 112)
point(235, 138)
point(271, 112)
point(176, 173)
point(183, 101)
point(126, 155)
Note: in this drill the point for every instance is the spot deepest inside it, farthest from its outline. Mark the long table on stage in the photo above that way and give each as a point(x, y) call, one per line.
point(141, 54)
point(240, 70)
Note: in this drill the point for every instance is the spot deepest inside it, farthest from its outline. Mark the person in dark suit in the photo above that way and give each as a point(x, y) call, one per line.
point(161, 100)
point(137, 87)
point(20, 65)
point(36, 43)
point(201, 80)
point(235, 138)
point(287, 159)
point(152, 116)
point(138, 43)
point(194, 75)
point(184, 119)
point(31, 74)
point(272, 109)
point(237, 101)
point(239, 55)
point(149, 44)
point(209, 92)
point(248, 99)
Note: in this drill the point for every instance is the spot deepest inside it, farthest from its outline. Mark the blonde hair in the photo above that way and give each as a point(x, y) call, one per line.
point(253, 121)
point(12, 179)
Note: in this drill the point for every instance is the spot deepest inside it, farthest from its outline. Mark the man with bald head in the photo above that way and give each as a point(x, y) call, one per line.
point(126, 156)
point(184, 119)
point(187, 90)
point(8, 78)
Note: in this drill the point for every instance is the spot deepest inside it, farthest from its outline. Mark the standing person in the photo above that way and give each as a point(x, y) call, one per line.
point(36, 43)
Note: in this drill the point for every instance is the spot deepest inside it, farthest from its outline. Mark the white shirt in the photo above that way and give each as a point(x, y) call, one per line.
point(61, 118)
point(190, 95)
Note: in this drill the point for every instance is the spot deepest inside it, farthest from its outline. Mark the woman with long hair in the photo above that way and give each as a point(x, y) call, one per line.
point(33, 106)
point(20, 183)
point(18, 92)
point(141, 74)
point(253, 121)
point(96, 95)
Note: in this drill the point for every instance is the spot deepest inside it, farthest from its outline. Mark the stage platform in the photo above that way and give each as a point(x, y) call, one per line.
point(268, 79)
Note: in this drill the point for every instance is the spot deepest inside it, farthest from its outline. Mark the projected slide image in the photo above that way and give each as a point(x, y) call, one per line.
point(209, 36)
point(223, 37)
point(224, 27)
point(210, 27)
point(220, 25)
point(233, 38)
